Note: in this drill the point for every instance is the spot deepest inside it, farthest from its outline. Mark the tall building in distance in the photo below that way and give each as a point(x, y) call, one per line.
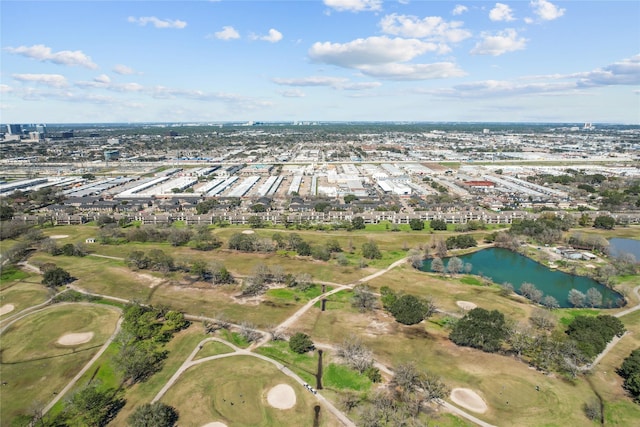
point(14, 129)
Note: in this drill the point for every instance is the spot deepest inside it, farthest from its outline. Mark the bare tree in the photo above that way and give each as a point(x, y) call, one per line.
point(455, 265)
point(249, 332)
point(364, 299)
point(355, 353)
point(437, 266)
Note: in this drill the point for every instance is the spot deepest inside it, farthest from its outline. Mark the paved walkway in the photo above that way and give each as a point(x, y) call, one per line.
point(189, 362)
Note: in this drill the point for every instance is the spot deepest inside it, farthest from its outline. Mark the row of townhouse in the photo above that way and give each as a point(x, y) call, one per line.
point(274, 217)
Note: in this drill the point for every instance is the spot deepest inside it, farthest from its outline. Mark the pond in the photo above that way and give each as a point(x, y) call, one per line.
point(502, 265)
point(618, 246)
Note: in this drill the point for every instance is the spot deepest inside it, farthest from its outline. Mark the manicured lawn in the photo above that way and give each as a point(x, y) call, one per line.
point(341, 377)
point(34, 366)
point(213, 348)
point(22, 295)
point(233, 390)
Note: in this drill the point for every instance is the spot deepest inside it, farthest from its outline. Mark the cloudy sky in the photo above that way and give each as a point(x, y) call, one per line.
point(319, 60)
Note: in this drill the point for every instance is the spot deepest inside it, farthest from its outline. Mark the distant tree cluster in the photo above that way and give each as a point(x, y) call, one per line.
point(461, 242)
point(155, 259)
point(438, 225)
point(547, 228)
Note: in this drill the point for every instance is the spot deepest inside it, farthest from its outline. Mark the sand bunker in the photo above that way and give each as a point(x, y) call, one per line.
point(215, 424)
point(466, 305)
point(75, 339)
point(5, 309)
point(468, 399)
point(248, 232)
point(59, 236)
point(282, 396)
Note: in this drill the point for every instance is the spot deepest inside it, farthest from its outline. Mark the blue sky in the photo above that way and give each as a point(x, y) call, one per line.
point(324, 60)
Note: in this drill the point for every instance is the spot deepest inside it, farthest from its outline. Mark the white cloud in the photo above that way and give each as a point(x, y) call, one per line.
point(339, 83)
point(625, 72)
point(310, 81)
point(546, 10)
point(227, 33)
point(354, 5)
point(501, 12)
point(102, 78)
point(5, 88)
point(372, 50)
point(157, 22)
point(438, 70)
point(430, 27)
point(123, 70)
point(459, 9)
point(52, 80)
point(274, 36)
point(292, 93)
point(500, 43)
point(43, 53)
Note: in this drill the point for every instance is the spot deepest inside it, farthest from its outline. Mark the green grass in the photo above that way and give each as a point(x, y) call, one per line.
point(22, 295)
point(213, 348)
point(34, 366)
point(205, 393)
point(10, 274)
point(568, 314)
point(341, 377)
point(234, 338)
point(471, 280)
point(305, 365)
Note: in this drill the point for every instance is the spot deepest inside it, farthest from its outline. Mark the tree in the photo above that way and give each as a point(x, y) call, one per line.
point(179, 236)
point(416, 224)
point(355, 353)
point(357, 223)
point(137, 360)
point(155, 414)
point(604, 221)
point(93, 406)
point(437, 266)
point(593, 297)
point(300, 343)
point(630, 371)
point(438, 224)
point(482, 329)
point(363, 298)
point(370, 250)
point(455, 265)
point(255, 221)
point(409, 309)
point(348, 198)
point(577, 298)
point(56, 277)
point(6, 212)
point(550, 302)
point(441, 248)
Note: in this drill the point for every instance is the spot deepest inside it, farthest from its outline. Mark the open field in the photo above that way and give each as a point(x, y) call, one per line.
point(22, 294)
point(234, 391)
point(35, 366)
point(507, 385)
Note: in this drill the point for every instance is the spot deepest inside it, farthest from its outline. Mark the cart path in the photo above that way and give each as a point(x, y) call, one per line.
point(189, 362)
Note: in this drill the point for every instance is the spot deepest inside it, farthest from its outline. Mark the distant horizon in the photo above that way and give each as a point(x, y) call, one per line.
point(250, 123)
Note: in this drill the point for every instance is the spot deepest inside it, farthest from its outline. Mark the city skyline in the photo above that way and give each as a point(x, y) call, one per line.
point(331, 60)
